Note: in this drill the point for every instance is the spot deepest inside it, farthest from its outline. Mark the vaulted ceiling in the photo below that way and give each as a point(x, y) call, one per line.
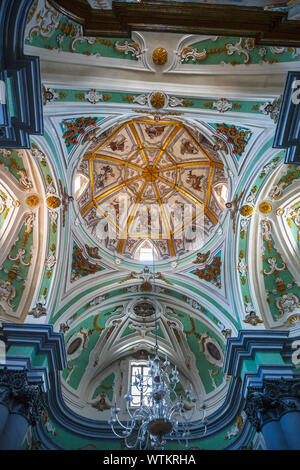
point(132, 136)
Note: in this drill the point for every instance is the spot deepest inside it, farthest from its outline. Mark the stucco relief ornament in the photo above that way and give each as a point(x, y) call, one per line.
point(271, 108)
point(246, 210)
point(38, 311)
point(35, 152)
point(7, 293)
point(190, 53)
point(241, 48)
point(287, 303)
point(93, 96)
point(49, 95)
point(242, 268)
point(50, 261)
point(5, 153)
point(252, 319)
point(78, 37)
point(28, 221)
point(160, 56)
point(53, 202)
point(222, 105)
point(227, 333)
point(272, 261)
point(46, 22)
point(157, 100)
point(129, 48)
point(32, 200)
point(103, 403)
point(294, 214)
point(24, 180)
point(202, 257)
point(265, 207)
point(20, 257)
point(174, 101)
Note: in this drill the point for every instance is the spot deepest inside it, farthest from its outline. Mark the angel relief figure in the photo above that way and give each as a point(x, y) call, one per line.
point(201, 257)
point(220, 145)
point(102, 404)
point(233, 208)
point(65, 200)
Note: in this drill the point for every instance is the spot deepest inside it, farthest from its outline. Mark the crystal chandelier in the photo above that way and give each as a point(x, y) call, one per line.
point(162, 411)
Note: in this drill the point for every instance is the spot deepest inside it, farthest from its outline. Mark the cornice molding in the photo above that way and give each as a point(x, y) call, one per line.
point(268, 28)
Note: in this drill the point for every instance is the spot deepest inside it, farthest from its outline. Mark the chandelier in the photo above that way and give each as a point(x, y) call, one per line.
point(162, 412)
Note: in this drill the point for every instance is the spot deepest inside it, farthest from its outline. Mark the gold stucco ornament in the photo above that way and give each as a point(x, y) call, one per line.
point(32, 200)
point(157, 100)
point(265, 207)
point(279, 211)
point(53, 202)
point(246, 210)
point(160, 56)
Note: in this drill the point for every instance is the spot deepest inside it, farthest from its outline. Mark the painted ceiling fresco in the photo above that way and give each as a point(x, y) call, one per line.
point(151, 181)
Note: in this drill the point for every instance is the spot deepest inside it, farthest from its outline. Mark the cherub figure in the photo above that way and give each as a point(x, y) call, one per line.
point(103, 403)
point(65, 200)
point(201, 258)
point(220, 145)
point(233, 208)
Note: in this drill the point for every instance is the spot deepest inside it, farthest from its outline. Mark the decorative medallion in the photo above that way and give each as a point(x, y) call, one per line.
point(160, 56)
point(265, 207)
point(157, 100)
point(293, 319)
point(246, 210)
point(53, 202)
point(32, 200)
point(143, 309)
point(75, 344)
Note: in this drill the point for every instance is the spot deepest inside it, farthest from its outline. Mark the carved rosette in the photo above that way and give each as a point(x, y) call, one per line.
point(19, 396)
point(160, 56)
point(271, 401)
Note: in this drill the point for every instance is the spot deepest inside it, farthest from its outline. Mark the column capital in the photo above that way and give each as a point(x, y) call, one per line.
point(271, 400)
point(21, 397)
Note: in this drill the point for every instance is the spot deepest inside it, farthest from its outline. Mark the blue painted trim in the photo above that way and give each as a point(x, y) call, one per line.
point(23, 72)
point(238, 349)
point(287, 134)
point(247, 343)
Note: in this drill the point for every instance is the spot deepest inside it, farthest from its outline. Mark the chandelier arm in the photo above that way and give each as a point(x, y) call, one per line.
point(128, 410)
point(122, 425)
point(126, 433)
point(189, 418)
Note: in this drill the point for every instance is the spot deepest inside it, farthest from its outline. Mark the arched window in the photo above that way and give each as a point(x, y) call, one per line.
point(140, 373)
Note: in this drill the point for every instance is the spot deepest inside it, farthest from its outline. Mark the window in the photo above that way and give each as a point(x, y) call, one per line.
point(140, 397)
point(146, 254)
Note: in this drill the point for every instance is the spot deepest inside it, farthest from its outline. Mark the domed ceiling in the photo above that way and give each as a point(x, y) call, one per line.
point(150, 185)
